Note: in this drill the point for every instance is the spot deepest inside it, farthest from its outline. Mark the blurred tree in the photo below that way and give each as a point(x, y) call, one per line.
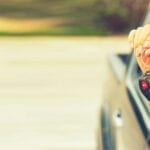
point(120, 15)
point(109, 16)
point(137, 9)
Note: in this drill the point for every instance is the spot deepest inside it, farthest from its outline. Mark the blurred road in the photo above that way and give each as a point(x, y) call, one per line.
point(51, 91)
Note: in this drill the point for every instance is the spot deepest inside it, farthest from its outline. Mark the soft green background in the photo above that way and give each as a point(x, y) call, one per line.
point(82, 17)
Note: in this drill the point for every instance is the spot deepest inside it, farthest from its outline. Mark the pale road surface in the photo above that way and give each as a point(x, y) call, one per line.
point(51, 91)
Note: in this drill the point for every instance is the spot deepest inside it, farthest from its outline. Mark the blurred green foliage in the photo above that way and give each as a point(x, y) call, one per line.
point(65, 31)
point(99, 16)
point(120, 15)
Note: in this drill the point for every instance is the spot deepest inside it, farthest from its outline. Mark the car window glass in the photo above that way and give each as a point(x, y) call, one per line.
point(136, 76)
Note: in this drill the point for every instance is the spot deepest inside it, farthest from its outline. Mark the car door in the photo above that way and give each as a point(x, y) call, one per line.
point(140, 104)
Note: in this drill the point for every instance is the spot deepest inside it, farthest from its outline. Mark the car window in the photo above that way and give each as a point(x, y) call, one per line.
point(138, 73)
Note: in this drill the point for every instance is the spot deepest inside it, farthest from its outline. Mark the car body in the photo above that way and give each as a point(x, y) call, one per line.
point(125, 115)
